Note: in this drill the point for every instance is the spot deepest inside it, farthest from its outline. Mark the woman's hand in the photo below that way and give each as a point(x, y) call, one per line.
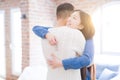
point(54, 62)
point(51, 38)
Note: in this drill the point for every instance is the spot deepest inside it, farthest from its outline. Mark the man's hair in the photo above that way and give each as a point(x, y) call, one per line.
point(64, 10)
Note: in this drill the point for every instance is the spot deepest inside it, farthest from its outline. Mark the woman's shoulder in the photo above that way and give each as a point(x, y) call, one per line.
point(89, 42)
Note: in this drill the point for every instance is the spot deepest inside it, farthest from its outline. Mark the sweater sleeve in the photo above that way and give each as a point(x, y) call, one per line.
point(40, 31)
point(82, 61)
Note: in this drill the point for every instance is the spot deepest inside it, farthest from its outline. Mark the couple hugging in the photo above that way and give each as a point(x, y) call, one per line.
point(65, 42)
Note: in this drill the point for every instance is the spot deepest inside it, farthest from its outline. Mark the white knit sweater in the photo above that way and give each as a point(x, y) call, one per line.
point(69, 41)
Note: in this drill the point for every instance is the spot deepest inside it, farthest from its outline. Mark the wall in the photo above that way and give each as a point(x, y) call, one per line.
point(41, 12)
point(24, 5)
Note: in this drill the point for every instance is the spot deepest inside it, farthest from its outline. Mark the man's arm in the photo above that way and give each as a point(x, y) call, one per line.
point(40, 31)
point(82, 61)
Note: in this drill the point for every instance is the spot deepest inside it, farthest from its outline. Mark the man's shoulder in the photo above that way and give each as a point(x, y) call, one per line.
point(65, 29)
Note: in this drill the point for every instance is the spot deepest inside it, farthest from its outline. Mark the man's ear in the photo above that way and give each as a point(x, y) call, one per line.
point(81, 26)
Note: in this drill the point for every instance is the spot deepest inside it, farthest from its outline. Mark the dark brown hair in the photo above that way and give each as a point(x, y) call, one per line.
point(64, 10)
point(86, 21)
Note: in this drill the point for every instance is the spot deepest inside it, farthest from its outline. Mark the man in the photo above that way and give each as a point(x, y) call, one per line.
point(63, 12)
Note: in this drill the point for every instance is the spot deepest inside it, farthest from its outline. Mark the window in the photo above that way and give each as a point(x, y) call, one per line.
point(106, 20)
point(2, 45)
point(16, 41)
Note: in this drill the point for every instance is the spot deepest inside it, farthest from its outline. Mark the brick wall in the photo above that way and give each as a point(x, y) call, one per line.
point(41, 12)
point(24, 5)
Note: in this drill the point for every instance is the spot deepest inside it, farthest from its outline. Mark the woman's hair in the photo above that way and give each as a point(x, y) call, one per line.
point(88, 30)
point(64, 10)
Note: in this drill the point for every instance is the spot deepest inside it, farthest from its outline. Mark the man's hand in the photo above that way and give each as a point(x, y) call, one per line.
point(51, 38)
point(54, 62)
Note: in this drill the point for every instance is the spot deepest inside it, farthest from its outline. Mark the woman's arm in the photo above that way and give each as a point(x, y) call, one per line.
point(76, 62)
point(82, 61)
point(40, 31)
point(43, 32)
point(71, 63)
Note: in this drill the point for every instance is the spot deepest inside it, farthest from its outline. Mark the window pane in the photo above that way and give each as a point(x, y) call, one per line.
point(2, 45)
point(16, 41)
point(111, 27)
point(97, 37)
point(107, 25)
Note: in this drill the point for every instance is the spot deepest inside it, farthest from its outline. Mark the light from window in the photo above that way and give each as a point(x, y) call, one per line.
point(107, 24)
point(16, 47)
point(111, 27)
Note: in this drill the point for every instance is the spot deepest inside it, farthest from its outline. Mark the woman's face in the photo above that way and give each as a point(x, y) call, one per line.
point(74, 20)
